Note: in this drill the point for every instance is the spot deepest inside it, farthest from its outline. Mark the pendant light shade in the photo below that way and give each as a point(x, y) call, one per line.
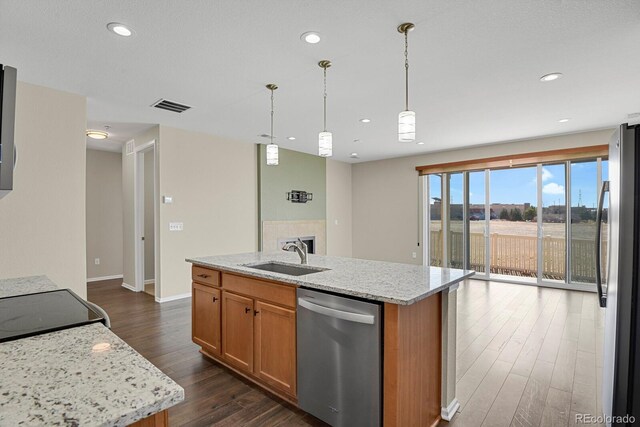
point(406, 118)
point(272, 155)
point(407, 126)
point(325, 138)
point(272, 149)
point(325, 144)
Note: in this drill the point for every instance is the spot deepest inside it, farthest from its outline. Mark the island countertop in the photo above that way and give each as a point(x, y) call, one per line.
point(78, 376)
point(395, 283)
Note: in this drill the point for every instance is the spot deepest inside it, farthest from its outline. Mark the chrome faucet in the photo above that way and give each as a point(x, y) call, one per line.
point(300, 247)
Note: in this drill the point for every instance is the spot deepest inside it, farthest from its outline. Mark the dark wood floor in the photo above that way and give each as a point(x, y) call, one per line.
point(213, 395)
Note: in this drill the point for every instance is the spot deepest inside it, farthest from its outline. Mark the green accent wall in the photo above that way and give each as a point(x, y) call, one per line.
point(295, 171)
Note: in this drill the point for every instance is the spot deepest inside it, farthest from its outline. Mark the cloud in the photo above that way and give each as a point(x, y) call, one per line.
point(553, 188)
point(546, 175)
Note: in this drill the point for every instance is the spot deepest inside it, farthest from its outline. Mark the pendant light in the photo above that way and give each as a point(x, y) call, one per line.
point(406, 118)
point(325, 139)
point(272, 149)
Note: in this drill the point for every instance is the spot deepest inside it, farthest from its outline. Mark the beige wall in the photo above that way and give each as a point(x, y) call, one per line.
point(129, 239)
point(42, 221)
point(213, 182)
point(385, 194)
point(339, 209)
point(104, 213)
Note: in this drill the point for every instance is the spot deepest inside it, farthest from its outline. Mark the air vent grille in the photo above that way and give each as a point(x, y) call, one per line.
point(165, 104)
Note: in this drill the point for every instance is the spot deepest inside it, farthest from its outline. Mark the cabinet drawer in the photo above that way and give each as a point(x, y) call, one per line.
point(205, 276)
point(260, 289)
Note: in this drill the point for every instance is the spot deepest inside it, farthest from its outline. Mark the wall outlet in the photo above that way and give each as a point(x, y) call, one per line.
point(414, 255)
point(167, 200)
point(97, 261)
point(176, 226)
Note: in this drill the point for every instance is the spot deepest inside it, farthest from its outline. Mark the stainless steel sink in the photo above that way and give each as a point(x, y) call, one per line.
point(283, 268)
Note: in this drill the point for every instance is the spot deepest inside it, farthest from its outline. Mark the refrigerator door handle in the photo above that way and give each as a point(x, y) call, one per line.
point(602, 295)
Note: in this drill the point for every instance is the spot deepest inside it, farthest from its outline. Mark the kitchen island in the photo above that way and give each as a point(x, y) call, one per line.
point(245, 318)
point(82, 376)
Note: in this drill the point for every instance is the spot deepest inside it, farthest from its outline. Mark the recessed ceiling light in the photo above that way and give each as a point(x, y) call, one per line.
point(550, 77)
point(354, 155)
point(120, 29)
point(365, 120)
point(97, 134)
point(420, 143)
point(563, 120)
point(310, 37)
point(291, 138)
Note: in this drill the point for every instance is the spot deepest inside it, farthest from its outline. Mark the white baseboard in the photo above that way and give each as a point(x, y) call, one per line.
point(98, 279)
point(128, 286)
point(150, 281)
point(173, 297)
point(449, 412)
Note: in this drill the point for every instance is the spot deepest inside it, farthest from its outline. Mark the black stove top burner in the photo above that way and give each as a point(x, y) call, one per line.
point(27, 315)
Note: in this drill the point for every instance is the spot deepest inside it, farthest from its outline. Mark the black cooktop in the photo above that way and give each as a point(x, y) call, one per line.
point(23, 316)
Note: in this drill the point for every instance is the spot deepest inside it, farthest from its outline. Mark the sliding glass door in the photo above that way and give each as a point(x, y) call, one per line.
point(478, 215)
point(513, 223)
point(554, 222)
point(513, 231)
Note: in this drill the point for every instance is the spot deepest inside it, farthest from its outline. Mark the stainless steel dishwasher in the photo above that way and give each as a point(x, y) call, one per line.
point(339, 358)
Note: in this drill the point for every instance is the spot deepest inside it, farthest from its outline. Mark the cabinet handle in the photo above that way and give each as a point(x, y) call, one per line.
point(215, 299)
point(247, 309)
point(204, 276)
point(255, 312)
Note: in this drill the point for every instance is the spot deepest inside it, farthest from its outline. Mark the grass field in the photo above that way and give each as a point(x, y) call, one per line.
point(582, 230)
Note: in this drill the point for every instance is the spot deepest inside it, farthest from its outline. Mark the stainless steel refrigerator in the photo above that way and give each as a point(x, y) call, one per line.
point(617, 277)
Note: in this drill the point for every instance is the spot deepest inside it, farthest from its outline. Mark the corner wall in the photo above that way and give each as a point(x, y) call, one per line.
point(339, 209)
point(213, 182)
point(385, 193)
point(42, 221)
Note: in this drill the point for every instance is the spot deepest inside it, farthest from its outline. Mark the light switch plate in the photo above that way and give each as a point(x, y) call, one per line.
point(176, 226)
point(167, 200)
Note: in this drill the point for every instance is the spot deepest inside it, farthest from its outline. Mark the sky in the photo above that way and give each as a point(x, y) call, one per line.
point(519, 185)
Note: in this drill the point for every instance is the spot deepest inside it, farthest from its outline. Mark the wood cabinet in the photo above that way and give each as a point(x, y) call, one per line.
point(205, 317)
point(248, 325)
point(275, 346)
point(237, 330)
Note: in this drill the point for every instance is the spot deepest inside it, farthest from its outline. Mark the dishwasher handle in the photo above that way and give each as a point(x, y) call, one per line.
point(338, 314)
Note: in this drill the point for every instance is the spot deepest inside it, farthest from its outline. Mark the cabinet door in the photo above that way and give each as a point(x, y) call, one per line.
point(205, 318)
point(275, 346)
point(237, 330)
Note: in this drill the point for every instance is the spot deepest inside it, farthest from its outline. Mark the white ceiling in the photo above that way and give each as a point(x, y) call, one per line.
point(475, 66)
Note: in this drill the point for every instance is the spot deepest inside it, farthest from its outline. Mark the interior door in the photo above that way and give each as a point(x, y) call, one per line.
point(275, 346)
point(237, 326)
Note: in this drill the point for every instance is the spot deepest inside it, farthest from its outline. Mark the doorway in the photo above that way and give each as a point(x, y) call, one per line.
point(146, 219)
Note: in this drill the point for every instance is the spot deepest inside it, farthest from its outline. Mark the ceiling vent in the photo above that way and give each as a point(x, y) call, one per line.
point(165, 104)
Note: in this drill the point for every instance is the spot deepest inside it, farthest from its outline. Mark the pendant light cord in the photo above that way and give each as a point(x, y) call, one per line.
point(271, 117)
point(406, 70)
point(325, 99)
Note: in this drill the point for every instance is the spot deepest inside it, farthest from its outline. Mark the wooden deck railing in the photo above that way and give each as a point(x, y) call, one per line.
point(518, 255)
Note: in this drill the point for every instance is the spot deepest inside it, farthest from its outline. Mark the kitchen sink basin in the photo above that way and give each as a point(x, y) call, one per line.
point(289, 269)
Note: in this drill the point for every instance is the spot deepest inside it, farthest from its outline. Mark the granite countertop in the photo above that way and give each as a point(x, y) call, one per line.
point(25, 285)
point(395, 283)
point(83, 376)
